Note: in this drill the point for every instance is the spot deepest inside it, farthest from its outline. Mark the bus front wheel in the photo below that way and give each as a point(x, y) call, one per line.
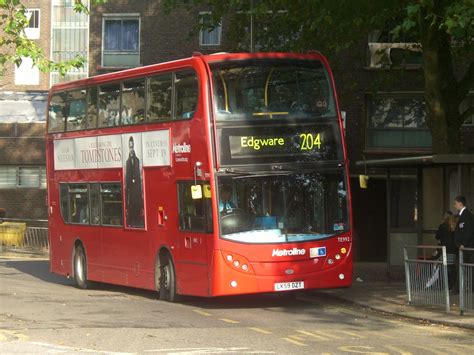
point(80, 267)
point(167, 282)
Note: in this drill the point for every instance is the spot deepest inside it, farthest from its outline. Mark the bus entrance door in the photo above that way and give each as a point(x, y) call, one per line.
point(193, 265)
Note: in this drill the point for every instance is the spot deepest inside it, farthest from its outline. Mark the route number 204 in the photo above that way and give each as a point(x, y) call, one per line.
point(309, 142)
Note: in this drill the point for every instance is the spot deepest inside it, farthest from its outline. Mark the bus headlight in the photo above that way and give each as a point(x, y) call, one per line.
point(237, 262)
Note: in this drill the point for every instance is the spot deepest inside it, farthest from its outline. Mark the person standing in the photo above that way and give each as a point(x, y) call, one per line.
point(445, 236)
point(463, 234)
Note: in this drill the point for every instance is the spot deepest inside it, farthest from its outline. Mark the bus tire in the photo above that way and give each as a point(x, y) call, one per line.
point(167, 282)
point(80, 267)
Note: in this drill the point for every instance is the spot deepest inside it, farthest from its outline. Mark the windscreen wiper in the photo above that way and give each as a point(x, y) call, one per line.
point(234, 171)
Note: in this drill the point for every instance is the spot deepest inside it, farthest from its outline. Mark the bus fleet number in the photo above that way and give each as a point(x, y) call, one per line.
point(308, 141)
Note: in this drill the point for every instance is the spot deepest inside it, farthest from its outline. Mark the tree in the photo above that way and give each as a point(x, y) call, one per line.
point(14, 45)
point(443, 28)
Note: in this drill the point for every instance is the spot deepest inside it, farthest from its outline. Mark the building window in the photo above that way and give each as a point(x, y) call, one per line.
point(32, 31)
point(209, 36)
point(69, 38)
point(7, 177)
point(121, 41)
point(27, 73)
point(397, 122)
point(385, 51)
point(12, 177)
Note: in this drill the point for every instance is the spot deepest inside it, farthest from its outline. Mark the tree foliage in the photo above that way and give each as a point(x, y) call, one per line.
point(14, 44)
point(443, 28)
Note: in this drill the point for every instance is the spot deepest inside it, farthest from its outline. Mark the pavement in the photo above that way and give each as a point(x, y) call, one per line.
point(371, 289)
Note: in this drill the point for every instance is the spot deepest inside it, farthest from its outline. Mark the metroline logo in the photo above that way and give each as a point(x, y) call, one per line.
point(288, 252)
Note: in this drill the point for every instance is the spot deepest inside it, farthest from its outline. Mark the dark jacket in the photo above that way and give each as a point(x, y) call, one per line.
point(446, 238)
point(133, 193)
point(463, 235)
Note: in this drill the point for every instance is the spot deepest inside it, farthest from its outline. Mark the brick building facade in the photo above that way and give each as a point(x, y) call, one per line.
point(162, 36)
point(23, 96)
point(25, 78)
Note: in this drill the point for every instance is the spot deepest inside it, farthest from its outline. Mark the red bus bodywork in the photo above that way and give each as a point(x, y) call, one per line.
point(127, 256)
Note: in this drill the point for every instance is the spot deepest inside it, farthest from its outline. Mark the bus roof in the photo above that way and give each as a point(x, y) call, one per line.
point(182, 63)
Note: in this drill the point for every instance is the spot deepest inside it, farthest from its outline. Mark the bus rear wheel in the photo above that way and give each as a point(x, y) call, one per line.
point(80, 267)
point(167, 279)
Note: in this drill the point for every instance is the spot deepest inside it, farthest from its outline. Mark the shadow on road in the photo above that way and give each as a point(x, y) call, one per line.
point(38, 269)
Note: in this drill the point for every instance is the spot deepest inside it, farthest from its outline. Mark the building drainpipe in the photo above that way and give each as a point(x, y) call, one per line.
point(419, 202)
point(388, 192)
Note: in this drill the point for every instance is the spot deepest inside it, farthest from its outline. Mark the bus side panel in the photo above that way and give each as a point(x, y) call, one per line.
point(60, 255)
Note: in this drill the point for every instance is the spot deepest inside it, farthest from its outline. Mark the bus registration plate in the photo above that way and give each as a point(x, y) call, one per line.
point(286, 286)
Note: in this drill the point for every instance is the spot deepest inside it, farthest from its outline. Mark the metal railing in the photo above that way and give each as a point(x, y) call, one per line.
point(24, 234)
point(466, 279)
point(426, 276)
point(36, 238)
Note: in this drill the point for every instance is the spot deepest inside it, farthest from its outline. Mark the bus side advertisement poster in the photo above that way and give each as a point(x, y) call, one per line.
point(270, 144)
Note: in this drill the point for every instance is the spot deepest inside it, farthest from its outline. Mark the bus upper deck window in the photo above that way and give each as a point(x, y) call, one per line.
point(186, 93)
point(76, 110)
point(109, 105)
point(159, 97)
point(92, 108)
point(56, 116)
point(133, 102)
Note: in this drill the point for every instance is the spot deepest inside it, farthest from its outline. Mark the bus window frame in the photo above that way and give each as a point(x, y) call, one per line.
point(208, 210)
point(145, 86)
point(63, 93)
point(89, 183)
point(89, 89)
point(147, 98)
point(69, 92)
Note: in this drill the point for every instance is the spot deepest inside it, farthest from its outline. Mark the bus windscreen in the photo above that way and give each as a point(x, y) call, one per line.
point(267, 89)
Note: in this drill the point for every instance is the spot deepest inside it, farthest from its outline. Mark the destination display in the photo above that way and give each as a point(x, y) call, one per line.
point(273, 144)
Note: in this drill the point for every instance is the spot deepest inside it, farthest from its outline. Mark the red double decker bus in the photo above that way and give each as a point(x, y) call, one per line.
point(214, 175)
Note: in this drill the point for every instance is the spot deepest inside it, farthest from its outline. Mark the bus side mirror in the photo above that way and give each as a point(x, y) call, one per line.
point(196, 192)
